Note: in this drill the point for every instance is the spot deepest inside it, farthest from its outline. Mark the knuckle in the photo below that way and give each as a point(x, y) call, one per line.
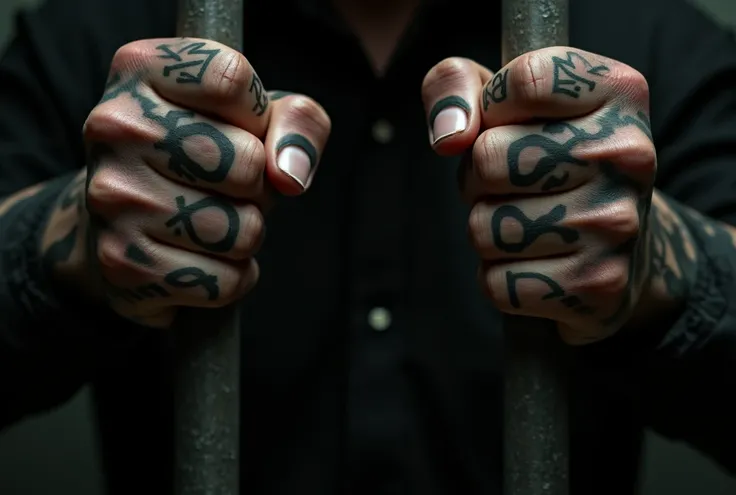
point(610, 279)
point(633, 86)
point(232, 79)
point(253, 232)
point(305, 112)
point(486, 155)
point(103, 190)
point(107, 124)
point(478, 227)
point(624, 221)
point(446, 74)
point(529, 76)
point(131, 56)
point(252, 163)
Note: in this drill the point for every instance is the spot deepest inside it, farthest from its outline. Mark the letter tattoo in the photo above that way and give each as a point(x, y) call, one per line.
point(531, 229)
point(496, 90)
point(567, 82)
point(184, 218)
point(190, 49)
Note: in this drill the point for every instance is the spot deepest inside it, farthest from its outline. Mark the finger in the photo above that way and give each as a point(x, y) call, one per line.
point(555, 157)
point(144, 277)
point(579, 294)
point(545, 226)
point(196, 74)
point(295, 142)
point(555, 83)
point(200, 152)
point(449, 93)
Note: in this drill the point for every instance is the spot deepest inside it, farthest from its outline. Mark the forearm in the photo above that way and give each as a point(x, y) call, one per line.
point(47, 339)
point(689, 308)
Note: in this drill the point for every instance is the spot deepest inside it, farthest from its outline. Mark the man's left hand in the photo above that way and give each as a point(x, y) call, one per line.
point(559, 167)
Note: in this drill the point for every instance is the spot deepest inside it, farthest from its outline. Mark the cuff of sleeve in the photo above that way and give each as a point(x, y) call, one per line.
point(710, 307)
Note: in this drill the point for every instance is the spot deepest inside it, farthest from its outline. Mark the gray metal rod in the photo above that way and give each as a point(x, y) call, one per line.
point(536, 435)
point(207, 342)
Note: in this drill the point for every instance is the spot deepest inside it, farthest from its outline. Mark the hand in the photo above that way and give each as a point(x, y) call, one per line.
point(183, 150)
point(560, 178)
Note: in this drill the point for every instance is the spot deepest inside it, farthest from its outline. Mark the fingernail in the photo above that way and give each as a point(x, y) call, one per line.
point(296, 157)
point(448, 117)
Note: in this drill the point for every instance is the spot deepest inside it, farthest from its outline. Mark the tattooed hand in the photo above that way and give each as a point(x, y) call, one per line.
point(183, 149)
point(559, 170)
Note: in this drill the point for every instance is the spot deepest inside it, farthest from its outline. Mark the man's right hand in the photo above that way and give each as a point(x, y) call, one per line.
point(184, 148)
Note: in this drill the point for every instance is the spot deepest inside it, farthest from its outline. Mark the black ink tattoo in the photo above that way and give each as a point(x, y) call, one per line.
point(558, 154)
point(555, 292)
point(567, 82)
point(447, 102)
point(198, 49)
point(137, 255)
point(172, 143)
point(260, 95)
point(187, 278)
point(277, 95)
point(183, 218)
point(531, 229)
point(669, 238)
point(496, 90)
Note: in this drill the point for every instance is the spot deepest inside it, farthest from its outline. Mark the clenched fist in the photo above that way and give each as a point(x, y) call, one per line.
point(184, 147)
point(560, 171)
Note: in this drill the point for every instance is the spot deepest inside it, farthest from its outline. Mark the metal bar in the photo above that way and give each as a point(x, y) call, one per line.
point(536, 435)
point(207, 342)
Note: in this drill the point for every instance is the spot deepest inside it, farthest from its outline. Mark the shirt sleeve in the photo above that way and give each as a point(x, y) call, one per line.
point(51, 76)
point(684, 372)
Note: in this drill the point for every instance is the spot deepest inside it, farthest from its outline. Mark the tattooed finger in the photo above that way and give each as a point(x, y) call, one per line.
point(572, 290)
point(199, 74)
point(142, 276)
point(181, 145)
point(558, 82)
point(556, 156)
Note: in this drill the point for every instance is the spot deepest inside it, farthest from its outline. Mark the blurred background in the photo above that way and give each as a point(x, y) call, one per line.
point(56, 453)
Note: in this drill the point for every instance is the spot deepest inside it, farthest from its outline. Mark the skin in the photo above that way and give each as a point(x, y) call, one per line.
point(171, 206)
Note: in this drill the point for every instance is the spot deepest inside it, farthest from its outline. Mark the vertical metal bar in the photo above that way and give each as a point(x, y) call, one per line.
point(536, 437)
point(207, 342)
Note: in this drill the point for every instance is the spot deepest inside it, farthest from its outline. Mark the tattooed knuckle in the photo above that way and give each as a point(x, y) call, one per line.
point(624, 221)
point(449, 73)
point(306, 113)
point(108, 125)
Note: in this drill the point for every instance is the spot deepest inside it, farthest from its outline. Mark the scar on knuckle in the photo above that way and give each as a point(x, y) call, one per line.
point(529, 76)
point(232, 75)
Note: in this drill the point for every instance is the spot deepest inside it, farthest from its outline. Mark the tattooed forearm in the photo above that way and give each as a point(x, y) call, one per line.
point(567, 78)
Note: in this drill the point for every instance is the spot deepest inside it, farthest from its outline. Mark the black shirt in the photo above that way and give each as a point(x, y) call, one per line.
point(371, 360)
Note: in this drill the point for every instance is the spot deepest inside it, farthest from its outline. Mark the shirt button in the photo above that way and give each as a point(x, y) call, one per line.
point(379, 319)
point(383, 131)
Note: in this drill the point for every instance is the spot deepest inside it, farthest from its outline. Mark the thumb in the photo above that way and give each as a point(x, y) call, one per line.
point(451, 95)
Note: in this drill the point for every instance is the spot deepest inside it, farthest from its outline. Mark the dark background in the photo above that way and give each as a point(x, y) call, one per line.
point(56, 453)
